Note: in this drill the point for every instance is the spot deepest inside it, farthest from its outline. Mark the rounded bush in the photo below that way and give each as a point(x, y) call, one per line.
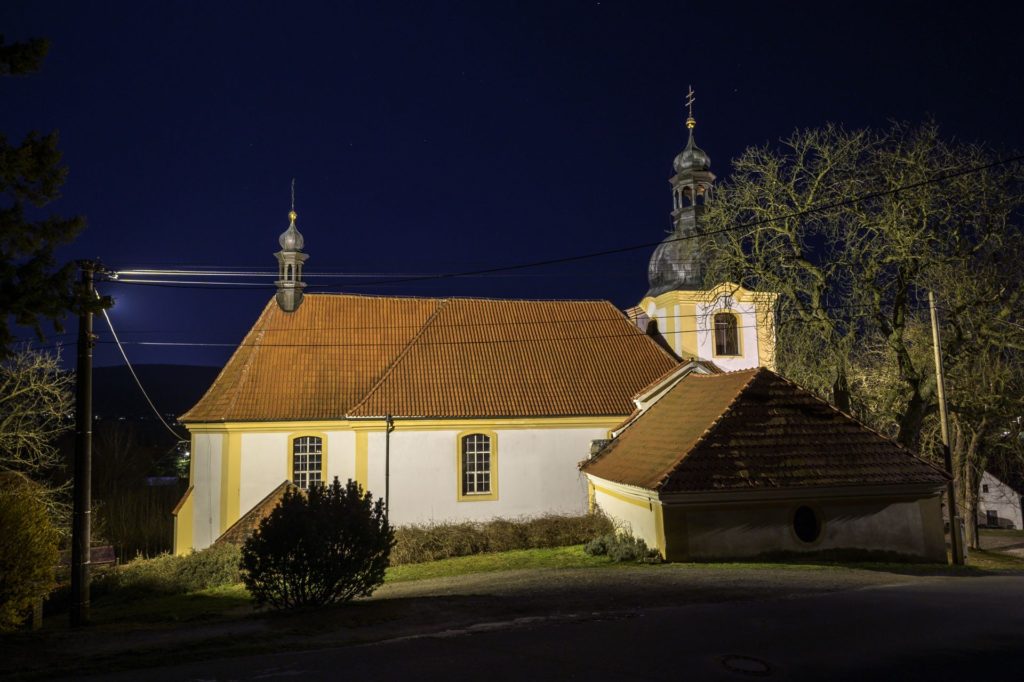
point(324, 546)
point(28, 549)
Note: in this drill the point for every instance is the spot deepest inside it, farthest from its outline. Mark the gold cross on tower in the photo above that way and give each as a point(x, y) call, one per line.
point(691, 122)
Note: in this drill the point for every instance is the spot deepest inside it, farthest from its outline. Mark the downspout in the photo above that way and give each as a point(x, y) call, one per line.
point(389, 426)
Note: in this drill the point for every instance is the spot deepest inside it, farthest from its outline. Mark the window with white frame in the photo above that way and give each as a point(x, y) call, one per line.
point(307, 461)
point(476, 464)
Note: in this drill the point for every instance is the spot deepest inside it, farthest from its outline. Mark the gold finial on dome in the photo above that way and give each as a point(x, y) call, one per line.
point(292, 215)
point(691, 122)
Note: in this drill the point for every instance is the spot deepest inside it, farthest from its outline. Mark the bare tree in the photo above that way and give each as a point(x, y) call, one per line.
point(36, 406)
point(851, 229)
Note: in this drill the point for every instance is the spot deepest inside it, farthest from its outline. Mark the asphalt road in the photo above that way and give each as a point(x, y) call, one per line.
point(937, 629)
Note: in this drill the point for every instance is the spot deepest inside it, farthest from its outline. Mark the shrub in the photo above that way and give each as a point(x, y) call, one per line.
point(430, 542)
point(326, 546)
point(167, 574)
point(28, 549)
point(621, 547)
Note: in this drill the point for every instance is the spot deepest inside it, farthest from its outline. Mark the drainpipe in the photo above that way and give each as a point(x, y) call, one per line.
point(389, 426)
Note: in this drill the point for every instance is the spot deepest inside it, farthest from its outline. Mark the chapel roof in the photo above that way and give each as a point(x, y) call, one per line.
point(752, 430)
point(348, 356)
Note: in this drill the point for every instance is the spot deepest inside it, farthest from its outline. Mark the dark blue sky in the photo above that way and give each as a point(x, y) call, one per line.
point(435, 137)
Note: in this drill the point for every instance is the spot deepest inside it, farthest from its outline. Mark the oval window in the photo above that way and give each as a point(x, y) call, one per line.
point(806, 524)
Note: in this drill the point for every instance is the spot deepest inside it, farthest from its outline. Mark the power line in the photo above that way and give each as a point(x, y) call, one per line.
point(755, 223)
point(135, 376)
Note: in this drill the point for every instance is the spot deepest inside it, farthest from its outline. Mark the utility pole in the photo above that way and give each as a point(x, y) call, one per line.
point(955, 539)
point(389, 426)
point(82, 524)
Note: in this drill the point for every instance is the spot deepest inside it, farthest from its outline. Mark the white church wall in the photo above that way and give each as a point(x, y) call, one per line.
point(630, 513)
point(264, 461)
point(536, 473)
point(207, 449)
point(264, 465)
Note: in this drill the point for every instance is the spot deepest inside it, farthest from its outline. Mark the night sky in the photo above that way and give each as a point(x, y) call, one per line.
point(437, 137)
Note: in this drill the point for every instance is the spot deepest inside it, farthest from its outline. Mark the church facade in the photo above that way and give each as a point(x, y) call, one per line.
point(455, 409)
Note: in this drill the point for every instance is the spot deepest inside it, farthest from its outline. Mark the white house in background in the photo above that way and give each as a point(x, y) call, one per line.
point(999, 505)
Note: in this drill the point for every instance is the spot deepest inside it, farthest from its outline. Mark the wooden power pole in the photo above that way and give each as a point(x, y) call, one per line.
point(955, 539)
point(82, 522)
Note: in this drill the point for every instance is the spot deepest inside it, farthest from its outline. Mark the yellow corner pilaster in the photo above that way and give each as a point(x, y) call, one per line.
point(659, 529)
point(230, 479)
point(362, 459)
point(183, 523)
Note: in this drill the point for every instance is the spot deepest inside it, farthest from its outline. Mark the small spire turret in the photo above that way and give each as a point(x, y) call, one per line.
point(290, 260)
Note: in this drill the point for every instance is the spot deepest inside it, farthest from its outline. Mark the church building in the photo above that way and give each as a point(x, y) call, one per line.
point(454, 409)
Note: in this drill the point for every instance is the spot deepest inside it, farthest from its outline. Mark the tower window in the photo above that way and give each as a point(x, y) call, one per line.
point(288, 272)
point(726, 335)
point(307, 461)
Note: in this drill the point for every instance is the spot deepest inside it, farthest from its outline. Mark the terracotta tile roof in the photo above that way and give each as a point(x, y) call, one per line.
point(343, 356)
point(752, 430)
point(240, 531)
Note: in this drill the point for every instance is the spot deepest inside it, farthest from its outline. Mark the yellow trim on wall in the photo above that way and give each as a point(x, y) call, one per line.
point(362, 467)
point(476, 497)
point(493, 423)
point(659, 529)
point(646, 504)
point(766, 336)
point(230, 479)
point(290, 459)
point(184, 516)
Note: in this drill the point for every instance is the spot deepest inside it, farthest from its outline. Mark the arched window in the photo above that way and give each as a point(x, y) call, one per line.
point(288, 272)
point(476, 464)
point(726, 337)
point(687, 196)
point(307, 461)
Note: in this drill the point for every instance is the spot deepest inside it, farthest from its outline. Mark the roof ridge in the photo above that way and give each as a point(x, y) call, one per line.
point(442, 303)
point(466, 298)
point(759, 371)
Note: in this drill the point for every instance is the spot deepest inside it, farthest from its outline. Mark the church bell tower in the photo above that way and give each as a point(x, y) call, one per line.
point(289, 261)
point(726, 324)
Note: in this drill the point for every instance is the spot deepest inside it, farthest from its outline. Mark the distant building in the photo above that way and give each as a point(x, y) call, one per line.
point(999, 505)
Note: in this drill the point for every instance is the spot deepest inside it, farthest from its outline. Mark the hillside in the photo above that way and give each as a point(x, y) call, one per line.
point(173, 389)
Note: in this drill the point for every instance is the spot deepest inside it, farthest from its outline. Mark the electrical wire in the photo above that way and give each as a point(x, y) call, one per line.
point(178, 437)
point(755, 223)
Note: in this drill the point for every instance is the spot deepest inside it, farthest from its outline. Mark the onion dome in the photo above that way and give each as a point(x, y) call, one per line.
point(675, 265)
point(291, 239)
point(692, 158)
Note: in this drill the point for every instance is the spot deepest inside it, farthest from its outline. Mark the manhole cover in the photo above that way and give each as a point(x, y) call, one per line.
point(747, 665)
